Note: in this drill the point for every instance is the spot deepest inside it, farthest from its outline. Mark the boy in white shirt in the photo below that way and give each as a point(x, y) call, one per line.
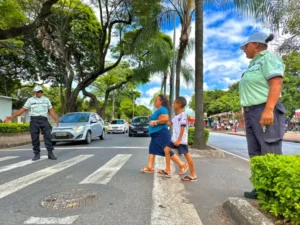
point(179, 141)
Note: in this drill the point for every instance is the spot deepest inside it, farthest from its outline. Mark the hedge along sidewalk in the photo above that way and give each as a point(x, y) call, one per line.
point(276, 179)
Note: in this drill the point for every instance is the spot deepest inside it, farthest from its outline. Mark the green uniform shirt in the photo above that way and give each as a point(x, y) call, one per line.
point(254, 87)
point(38, 106)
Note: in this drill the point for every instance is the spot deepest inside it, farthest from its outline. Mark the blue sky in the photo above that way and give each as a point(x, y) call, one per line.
point(224, 62)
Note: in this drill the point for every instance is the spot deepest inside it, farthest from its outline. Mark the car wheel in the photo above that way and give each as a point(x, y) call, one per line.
point(88, 137)
point(54, 143)
point(102, 135)
point(108, 132)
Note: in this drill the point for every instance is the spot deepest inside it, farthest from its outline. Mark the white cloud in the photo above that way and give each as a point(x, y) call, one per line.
point(144, 101)
point(205, 86)
point(151, 92)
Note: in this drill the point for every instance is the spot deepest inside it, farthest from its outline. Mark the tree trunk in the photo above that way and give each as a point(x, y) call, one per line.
point(113, 106)
point(94, 99)
point(178, 70)
point(199, 140)
point(103, 108)
point(71, 103)
point(184, 40)
point(62, 99)
point(165, 83)
point(172, 75)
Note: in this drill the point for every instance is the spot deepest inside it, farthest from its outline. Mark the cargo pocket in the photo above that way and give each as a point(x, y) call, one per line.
point(275, 132)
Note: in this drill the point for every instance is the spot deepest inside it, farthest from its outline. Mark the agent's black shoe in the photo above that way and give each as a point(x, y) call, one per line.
point(36, 157)
point(250, 195)
point(51, 156)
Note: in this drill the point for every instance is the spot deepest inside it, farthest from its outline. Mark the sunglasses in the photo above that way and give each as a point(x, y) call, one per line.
point(39, 92)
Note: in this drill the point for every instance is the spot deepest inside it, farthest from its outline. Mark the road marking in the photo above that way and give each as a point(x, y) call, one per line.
point(15, 185)
point(230, 153)
point(170, 206)
point(77, 148)
point(51, 220)
point(8, 158)
point(236, 155)
point(20, 164)
point(105, 173)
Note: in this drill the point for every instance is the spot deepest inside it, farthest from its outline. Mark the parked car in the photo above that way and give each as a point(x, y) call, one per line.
point(118, 126)
point(139, 126)
point(78, 126)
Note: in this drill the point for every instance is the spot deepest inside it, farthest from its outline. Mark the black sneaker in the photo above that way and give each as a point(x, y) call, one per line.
point(36, 157)
point(250, 195)
point(51, 156)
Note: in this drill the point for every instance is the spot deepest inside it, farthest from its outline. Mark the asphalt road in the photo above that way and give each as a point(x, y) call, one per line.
point(238, 145)
point(125, 196)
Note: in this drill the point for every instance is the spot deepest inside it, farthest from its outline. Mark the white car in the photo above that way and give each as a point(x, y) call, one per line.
point(118, 126)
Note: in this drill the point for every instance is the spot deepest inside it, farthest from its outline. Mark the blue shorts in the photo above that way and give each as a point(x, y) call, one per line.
point(182, 149)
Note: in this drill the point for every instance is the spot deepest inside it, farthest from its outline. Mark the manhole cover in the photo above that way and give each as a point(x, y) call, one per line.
point(76, 198)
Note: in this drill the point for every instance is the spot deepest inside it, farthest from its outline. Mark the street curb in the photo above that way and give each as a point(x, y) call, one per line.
point(243, 213)
point(242, 135)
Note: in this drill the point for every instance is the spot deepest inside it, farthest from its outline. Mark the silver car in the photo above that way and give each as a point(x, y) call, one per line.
point(78, 126)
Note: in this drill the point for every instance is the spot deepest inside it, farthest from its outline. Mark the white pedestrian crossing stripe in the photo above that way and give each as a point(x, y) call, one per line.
point(51, 220)
point(170, 193)
point(16, 185)
point(8, 158)
point(19, 164)
point(105, 173)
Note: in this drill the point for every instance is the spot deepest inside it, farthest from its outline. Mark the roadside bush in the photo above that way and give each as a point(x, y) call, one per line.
point(276, 178)
point(13, 127)
point(191, 135)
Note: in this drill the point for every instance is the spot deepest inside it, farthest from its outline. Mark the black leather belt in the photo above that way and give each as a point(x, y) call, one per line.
point(38, 118)
point(250, 108)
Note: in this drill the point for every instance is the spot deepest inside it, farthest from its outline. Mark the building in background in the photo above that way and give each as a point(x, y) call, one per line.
point(5, 106)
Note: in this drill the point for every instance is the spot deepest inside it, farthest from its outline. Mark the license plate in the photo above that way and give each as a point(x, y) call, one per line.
point(140, 132)
point(61, 134)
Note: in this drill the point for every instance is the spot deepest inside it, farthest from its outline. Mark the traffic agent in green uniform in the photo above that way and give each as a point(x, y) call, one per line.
point(38, 107)
point(260, 90)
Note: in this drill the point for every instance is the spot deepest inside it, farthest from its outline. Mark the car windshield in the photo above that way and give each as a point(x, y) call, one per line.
point(143, 120)
point(75, 118)
point(117, 122)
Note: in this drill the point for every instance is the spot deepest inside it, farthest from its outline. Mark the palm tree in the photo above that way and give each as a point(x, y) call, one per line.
point(187, 73)
point(185, 11)
point(268, 11)
point(199, 139)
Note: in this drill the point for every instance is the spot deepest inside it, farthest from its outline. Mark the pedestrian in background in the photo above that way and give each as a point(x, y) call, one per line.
point(38, 107)
point(260, 90)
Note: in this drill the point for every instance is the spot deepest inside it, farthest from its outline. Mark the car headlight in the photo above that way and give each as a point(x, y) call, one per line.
point(78, 128)
point(131, 126)
point(146, 127)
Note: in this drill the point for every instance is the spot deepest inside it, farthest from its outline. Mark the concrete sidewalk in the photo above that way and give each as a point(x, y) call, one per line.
point(12, 140)
point(289, 137)
point(218, 180)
